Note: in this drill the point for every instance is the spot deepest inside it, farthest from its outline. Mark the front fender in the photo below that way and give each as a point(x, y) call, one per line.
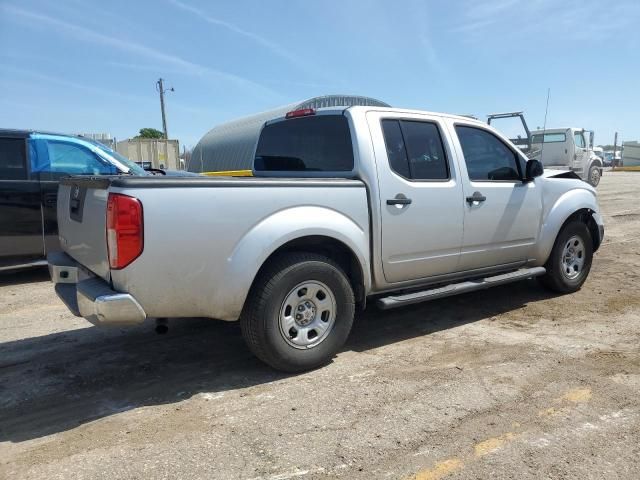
point(286, 225)
point(565, 206)
point(595, 161)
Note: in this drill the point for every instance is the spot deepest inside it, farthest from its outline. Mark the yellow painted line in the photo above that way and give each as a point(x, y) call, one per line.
point(577, 395)
point(439, 470)
point(448, 466)
point(626, 169)
point(229, 173)
point(490, 445)
point(548, 412)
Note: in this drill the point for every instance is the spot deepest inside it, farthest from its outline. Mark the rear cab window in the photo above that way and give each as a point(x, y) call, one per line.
point(311, 146)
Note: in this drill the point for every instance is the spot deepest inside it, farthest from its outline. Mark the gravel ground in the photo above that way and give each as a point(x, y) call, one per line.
point(507, 383)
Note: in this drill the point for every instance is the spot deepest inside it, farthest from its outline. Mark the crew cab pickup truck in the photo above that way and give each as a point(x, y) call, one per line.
point(346, 206)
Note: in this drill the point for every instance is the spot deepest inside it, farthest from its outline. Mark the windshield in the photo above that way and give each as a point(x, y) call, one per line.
point(549, 138)
point(133, 167)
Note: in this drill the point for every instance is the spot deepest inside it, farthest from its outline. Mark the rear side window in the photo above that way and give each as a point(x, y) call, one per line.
point(13, 161)
point(415, 149)
point(319, 143)
point(486, 156)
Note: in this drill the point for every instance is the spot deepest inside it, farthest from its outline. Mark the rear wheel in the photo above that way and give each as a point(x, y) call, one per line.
point(299, 312)
point(594, 175)
point(570, 261)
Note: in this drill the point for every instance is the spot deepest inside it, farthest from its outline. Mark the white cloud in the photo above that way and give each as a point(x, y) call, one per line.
point(268, 44)
point(71, 85)
point(133, 48)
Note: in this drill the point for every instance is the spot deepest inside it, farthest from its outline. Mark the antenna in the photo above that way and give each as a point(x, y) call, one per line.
point(544, 127)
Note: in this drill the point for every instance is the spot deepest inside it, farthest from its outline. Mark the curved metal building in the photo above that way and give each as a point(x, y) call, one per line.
point(231, 145)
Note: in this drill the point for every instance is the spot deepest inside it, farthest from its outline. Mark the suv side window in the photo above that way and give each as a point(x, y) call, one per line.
point(579, 139)
point(66, 157)
point(415, 149)
point(486, 156)
point(13, 161)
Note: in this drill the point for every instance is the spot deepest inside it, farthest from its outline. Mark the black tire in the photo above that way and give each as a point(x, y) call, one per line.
point(260, 319)
point(557, 277)
point(594, 175)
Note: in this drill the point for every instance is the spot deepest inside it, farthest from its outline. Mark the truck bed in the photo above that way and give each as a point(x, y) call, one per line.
point(207, 234)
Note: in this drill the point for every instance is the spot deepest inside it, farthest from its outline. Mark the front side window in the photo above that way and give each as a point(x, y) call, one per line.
point(579, 139)
point(75, 159)
point(13, 164)
point(415, 150)
point(319, 143)
point(486, 156)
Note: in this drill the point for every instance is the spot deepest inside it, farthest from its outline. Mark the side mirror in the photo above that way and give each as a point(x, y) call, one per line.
point(533, 169)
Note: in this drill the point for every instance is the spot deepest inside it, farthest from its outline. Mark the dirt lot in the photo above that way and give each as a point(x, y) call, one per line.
point(508, 383)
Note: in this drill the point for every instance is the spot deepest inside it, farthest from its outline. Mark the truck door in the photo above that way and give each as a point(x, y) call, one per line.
point(59, 157)
point(20, 215)
point(581, 155)
point(501, 213)
point(420, 196)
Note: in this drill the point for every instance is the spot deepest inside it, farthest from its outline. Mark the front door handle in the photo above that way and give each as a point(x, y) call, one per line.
point(477, 197)
point(399, 201)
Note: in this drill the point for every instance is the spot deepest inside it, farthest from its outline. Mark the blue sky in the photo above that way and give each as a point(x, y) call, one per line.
point(91, 66)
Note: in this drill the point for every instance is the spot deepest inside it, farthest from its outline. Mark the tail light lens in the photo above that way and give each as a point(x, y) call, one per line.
point(125, 230)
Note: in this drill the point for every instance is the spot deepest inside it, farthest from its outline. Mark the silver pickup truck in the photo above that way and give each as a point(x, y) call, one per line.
point(346, 206)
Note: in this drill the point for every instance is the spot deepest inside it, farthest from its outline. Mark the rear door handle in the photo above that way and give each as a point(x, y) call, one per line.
point(476, 197)
point(50, 199)
point(399, 201)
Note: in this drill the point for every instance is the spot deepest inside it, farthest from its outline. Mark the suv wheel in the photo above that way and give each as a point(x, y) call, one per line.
point(299, 312)
point(570, 261)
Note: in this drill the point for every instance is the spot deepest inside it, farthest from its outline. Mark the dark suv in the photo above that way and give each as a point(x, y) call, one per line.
point(31, 164)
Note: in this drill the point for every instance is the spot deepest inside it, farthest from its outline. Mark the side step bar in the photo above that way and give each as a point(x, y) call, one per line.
point(395, 301)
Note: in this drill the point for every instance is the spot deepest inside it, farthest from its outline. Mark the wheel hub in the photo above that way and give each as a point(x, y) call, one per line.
point(305, 313)
point(308, 314)
point(573, 257)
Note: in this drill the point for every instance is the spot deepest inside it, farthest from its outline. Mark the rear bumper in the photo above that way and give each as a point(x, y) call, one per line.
point(88, 296)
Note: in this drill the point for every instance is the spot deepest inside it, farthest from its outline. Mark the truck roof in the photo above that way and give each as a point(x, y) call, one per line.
point(26, 132)
point(554, 130)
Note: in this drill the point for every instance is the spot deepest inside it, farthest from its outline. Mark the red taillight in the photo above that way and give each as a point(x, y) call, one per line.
point(125, 230)
point(300, 113)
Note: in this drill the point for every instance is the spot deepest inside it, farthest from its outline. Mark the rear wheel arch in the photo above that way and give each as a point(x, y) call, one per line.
point(335, 250)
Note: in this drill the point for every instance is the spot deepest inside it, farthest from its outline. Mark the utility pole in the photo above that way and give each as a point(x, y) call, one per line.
point(160, 88)
point(615, 147)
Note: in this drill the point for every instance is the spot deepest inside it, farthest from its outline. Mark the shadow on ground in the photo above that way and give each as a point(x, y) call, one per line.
point(56, 382)
point(20, 277)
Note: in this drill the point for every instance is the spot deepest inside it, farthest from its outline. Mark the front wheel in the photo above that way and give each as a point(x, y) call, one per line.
point(299, 312)
point(570, 260)
point(594, 175)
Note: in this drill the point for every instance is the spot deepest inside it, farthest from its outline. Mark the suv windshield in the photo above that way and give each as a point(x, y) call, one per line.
point(133, 167)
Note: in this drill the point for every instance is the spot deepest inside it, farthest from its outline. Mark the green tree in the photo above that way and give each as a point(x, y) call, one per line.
point(150, 133)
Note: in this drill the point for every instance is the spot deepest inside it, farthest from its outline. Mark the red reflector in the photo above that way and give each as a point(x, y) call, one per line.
point(300, 113)
point(125, 238)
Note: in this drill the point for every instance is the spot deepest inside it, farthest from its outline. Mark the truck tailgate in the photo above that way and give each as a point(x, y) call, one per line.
point(82, 213)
